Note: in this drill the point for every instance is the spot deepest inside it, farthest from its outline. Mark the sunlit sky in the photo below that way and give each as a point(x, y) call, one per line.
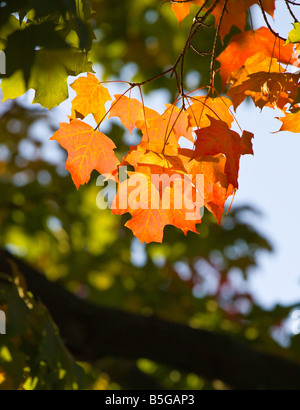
point(269, 182)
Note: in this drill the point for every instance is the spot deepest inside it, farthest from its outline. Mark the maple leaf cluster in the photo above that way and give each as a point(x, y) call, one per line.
point(251, 66)
point(236, 12)
point(206, 124)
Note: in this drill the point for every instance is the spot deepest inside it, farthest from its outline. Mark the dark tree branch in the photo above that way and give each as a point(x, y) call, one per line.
point(214, 51)
point(291, 11)
point(268, 23)
point(93, 332)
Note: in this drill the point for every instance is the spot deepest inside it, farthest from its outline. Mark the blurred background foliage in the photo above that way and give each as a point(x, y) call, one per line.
point(199, 280)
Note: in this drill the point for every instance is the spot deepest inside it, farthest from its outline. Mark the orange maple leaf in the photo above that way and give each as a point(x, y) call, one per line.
point(130, 111)
point(219, 139)
point(154, 205)
point(236, 14)
point(91, 98)
point(245, 45)
point(274, 90)
point(270, 86)
point(291, 122)
point(87, 150)
point(216, 187)
point(269, 6)
point(162, 133)
point(257, 62)
point(138, 156)
point(183, 9)
point(218, 108)
point(180, 121)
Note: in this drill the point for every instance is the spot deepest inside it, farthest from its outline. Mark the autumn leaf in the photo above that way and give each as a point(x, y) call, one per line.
point(216, 197)
point(87, 150)
point(130, 111)
point(159, 134)
point(274, 90)
point(203, 106)
point(271, 86)
point(268, 5)
point(154, 205)
point(219, 139)
point(160, 142)
point(256, 63)
point(236, 14)
point(245, 45)
point(216, 187)
point(91, 98)
point(296, 102)
point(139, 156)
point(291, 122)
point(182, 10)
point(180, 121)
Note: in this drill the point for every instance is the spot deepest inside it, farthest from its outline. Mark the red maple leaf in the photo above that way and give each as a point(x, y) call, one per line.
point(245, 45)
point(219, 139)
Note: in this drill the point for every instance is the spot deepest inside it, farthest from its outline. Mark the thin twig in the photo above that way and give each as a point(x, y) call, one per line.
point(201, 53)
point(291, 11)
point(292, 3)
point(113, 104)
point(197, 23)
point(214, 51)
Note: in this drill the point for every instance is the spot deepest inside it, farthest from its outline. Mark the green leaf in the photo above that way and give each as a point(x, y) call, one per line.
point(13, 86)
point(294, 35)
point(85, 33)
point(82, 26)
point(7, 29)
point(12, 6)
point(83, 10)
point(32, 350)
point(48, 76)
point(47, 7)
point(22, 44)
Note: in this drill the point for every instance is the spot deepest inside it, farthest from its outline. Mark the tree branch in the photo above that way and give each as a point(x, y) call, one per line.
point(267, 22)
point(93, 332)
